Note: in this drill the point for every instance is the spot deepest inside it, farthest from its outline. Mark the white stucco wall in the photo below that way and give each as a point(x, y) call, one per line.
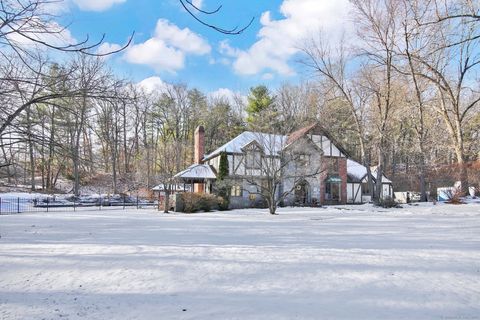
point(354, 193)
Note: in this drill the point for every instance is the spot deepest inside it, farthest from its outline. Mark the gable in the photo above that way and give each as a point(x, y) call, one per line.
point(321, 138)
point(303, 145)
point(270, 143)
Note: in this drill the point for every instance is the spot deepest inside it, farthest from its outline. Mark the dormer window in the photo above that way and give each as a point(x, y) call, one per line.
point(254, 160)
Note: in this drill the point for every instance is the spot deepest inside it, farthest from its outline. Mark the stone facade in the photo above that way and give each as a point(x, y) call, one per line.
point(315, 169)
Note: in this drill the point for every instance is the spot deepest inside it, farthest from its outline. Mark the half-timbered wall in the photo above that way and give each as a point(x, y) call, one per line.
point(354, 193)
point(314, 151)
point(307, 162)
point(328, 148)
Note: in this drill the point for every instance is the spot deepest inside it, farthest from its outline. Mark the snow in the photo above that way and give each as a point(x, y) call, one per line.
point(356, 169)
point(197, 171)
point(271, 143)
point(374, 174)
point(24, 195)
point(345, 262)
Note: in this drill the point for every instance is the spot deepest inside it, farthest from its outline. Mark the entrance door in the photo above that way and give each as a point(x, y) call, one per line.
point(332, 192)
point(302, 194)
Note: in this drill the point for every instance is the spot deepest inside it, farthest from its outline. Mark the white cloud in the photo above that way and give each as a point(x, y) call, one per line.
point(225, 48)
point(267, 76)
point(152, 84)
point(58, 36)
point(96, 5)
point(197, 3)
point(107, 47)
point(167, 49)
point(55, 7)
point(225, 93)
point(279, 40)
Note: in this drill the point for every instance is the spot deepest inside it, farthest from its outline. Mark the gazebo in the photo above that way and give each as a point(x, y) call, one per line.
point(199, 176)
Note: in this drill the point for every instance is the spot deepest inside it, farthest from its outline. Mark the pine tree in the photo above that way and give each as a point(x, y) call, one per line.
point(223, 167)
point(261, 113)
point(223, 186)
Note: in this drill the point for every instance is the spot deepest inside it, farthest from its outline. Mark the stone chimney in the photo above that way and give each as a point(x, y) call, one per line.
point(199, 147)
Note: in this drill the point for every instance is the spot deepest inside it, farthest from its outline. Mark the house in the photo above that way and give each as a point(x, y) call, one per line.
point(315, 170)
point(159, 190)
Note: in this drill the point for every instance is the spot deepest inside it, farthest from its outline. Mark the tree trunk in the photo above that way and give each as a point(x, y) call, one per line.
point(423, 184)
point(125, 146)
point(30, 150)
point(76, 172)
point(51, 150)
point(43, 154)
point(7, 162)
point(166, 205)
point(272, 204)
point(114, 171)
point(378, 182)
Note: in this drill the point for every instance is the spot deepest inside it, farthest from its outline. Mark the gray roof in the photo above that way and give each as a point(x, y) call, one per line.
point(272, 144)
point(196, 172)
point(356, 170)
point(384, 178)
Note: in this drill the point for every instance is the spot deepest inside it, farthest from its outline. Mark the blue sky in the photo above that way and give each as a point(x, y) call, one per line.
point(169, 45)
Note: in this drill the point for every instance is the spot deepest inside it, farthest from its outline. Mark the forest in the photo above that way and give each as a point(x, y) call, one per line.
point(404, 97)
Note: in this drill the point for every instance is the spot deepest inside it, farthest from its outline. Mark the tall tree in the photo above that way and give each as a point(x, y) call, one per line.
point(260, 106)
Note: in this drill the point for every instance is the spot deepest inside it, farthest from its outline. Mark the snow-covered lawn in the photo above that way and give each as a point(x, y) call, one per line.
point(352, 262)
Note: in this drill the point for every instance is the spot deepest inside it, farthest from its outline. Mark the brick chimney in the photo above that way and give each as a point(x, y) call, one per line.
point(199, 148)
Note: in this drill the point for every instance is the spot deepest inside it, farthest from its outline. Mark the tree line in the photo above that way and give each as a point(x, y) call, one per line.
point(404, 97)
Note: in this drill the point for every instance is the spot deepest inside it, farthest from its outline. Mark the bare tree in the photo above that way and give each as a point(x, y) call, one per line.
point(166, 168)
point(445, 13)
point(450, 61)
point(378, 29)
point(31, 22)
point(331, 65)
point(194, 10)
point(274, 169)
point(26, 28)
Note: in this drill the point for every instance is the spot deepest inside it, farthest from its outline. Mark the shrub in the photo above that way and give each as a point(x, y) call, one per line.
point(224, 204)
point(454, 196)
point(193, 202)
point(389, 202)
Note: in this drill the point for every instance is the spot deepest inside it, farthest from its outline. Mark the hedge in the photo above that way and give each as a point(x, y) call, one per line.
point(193, 202)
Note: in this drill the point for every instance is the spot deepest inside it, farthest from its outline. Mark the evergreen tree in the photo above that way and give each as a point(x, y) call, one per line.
point(223, 167)
point(223, 185)
point(260, 108)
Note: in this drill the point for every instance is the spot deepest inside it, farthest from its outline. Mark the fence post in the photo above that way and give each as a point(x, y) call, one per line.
point(48, 201)
point(18, 205)
point(0, 206)
point(123, 202)
point(137, 201)
point(74, 208)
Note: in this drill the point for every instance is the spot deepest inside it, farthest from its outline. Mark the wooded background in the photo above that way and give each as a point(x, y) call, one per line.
point(404, 97)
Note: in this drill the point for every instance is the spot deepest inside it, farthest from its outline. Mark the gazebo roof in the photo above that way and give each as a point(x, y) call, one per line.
point(196, 172)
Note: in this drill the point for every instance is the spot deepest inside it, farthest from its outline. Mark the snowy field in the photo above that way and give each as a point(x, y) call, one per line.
point(351, 262)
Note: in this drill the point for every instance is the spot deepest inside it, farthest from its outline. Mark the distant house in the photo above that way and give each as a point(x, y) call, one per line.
point(339, 180)
point(160, 189)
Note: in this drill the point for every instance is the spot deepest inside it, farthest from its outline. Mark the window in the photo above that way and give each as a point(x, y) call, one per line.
point(236, 191)
point(365, 188)
point(332, 191)
point(303, 160)
point(254, 160)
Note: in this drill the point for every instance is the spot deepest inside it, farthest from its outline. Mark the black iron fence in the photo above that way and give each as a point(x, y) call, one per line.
point(11, 205)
